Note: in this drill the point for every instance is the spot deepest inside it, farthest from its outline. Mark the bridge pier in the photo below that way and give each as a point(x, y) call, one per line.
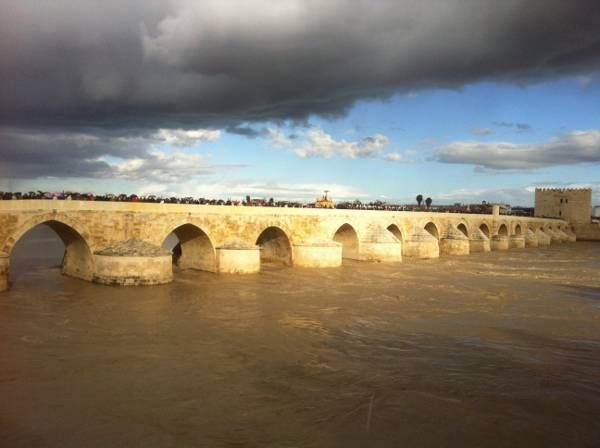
point(455, 243)
point(531, 240)
point(517, 242)
point(133, 262)
point(543, 238)
point(133, 271)
point(4, 262)
point(238, 259)
point(563, 236)
point(325, 254)
point(421, 244)
point(479, 242)
point(554, 237)
point(379, 244)
point(381, 251)
point(499, 242)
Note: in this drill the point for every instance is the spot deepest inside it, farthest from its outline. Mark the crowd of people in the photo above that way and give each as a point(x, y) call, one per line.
point(76, 196)
point(250, 202)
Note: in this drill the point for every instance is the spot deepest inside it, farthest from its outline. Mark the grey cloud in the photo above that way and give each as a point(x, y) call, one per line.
point(247, 131)
point(482, 131)
point(216, 64)
point(570, 149)
point(25, 153)
point(94, 153)
point(522, 127)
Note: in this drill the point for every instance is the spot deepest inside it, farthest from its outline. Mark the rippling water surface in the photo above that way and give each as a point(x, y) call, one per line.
point(496, 350)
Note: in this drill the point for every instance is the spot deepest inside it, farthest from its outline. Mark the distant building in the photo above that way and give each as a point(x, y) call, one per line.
point(324, 202)
point(572, 204)
point(505, 209)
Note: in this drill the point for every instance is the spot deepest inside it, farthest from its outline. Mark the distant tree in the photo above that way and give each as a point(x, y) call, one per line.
point(271, 201)
point(428, 202)
point(419, 199)
point(248, 200)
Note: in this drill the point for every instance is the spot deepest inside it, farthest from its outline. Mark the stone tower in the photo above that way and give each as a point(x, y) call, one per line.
point(571, 204)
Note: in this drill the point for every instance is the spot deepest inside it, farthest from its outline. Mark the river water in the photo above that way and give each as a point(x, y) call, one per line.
point(498, 350)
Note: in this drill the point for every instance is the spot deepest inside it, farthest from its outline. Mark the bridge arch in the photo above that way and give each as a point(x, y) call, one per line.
point(194, 248)
point(346, 235)
point(77, 259)
point(275, 246)
point(432, 229)
point(29, 224)
point(485, 229)
point(503, 230)
point(518, 229)
point(463, 228)
point(395, 230)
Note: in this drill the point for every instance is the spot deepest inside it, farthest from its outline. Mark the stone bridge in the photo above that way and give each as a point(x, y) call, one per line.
point(237, 239)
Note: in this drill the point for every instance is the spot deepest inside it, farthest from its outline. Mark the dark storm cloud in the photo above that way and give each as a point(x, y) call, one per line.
point(247, 131)
point(96, 153)
point(215, 63)
point(83, 82)
point(25, 153)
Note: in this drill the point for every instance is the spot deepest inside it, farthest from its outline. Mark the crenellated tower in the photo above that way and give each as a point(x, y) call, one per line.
point(571, 204)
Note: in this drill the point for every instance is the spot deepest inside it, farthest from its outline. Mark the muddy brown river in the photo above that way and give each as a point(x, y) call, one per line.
point(492, 350)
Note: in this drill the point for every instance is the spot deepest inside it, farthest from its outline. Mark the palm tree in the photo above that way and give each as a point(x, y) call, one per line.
point(419, 199)
point(428, 202)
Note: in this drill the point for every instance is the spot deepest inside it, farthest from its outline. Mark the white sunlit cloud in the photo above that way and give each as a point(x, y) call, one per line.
point(316, 143)
point(185, 138)
point(278, 139)
point(578, 147)
point(238, 189)
point(162, 166)
point(393, 157)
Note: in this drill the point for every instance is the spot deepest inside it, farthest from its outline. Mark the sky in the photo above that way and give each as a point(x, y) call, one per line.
point(457, 100)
